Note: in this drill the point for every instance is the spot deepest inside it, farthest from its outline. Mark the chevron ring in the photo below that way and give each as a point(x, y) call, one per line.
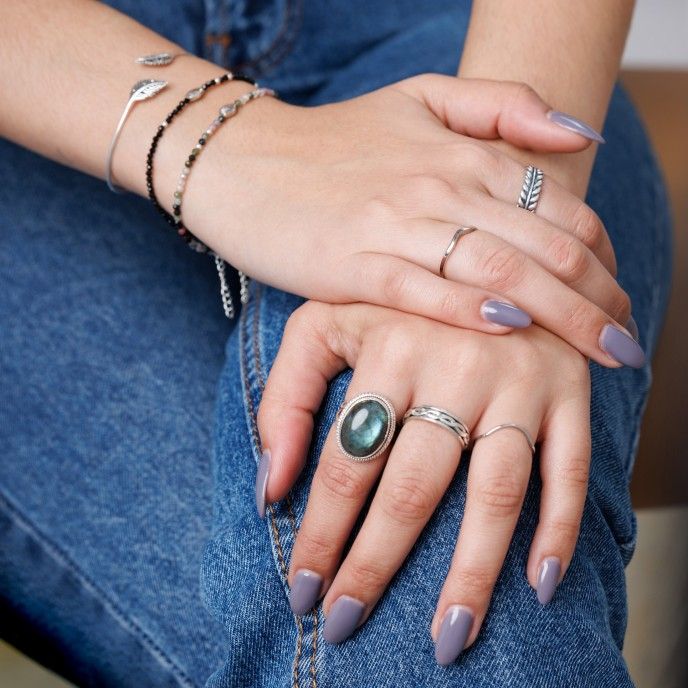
point(530, 192)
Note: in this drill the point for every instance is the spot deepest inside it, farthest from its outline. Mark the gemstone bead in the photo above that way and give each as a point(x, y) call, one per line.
point(364, 428)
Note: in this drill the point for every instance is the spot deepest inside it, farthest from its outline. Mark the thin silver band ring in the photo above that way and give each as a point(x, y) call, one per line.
point(440, 416)
point(532, 186)
point(503, 426)
point(462, 231)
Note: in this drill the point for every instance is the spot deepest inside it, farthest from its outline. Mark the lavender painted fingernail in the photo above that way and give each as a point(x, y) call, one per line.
point(343, 618)
point(621, 347)
point(454, 632)
point(262, 482)
point(548, 577)
point(504, 314)
point(305, 591)
point(632, 327)
point(574, 124)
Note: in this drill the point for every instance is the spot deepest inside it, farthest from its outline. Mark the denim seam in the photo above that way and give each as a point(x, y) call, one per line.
point(281, 45)
point(248, 397)
point(56, 553)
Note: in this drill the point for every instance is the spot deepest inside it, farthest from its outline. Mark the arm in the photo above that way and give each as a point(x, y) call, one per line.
point(569, 52)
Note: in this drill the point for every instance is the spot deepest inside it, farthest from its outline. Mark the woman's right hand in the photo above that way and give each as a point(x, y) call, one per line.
point(357, 201)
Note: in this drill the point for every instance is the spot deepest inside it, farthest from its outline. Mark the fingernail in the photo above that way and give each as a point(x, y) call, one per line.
point(454, 631)
point(305, 591)
point(548, 577)
point(504, 314)
point(343, 618)
point(632, 327)
point(262, 482)
point(574, 124)
point(621, 347)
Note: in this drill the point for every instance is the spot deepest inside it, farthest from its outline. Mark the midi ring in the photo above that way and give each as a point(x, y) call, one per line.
point(503, 426)
point(365, 426)
point(452, 245)
point(530, 191)
point(440, 416)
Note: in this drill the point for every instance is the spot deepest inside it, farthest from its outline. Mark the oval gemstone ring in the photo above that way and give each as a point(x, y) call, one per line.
point(365, 426)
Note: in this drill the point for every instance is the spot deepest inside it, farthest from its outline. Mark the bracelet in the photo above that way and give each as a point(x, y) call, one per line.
point(141, 90)
point(225, 113)
point(192, 96)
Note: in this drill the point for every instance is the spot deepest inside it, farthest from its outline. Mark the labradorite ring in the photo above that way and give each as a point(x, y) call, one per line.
point(365, 426)
point(440, 416)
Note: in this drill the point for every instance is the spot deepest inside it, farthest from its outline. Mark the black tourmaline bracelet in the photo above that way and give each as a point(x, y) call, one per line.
point(193, 95)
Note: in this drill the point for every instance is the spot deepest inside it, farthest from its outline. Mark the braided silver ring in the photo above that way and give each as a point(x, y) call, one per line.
point(530, 191)
point(452, 245)
point(503, 426)
point(440, 416)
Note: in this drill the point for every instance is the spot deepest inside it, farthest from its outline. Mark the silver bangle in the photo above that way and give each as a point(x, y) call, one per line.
point(141, 90)
point(158, 59)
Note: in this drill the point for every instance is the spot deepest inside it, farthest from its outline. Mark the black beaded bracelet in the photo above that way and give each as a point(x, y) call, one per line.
point(192, 96)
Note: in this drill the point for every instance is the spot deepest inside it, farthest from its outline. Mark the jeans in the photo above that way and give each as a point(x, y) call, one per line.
point(130, 550)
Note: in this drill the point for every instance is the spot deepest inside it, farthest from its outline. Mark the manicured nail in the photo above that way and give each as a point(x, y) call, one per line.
point(504, 314)
point(632, 327)
point(305, 591)
point(343, 618)
point(454, 631)
point(621, 347)
point(548, 577)
point(262, 482)
point(574, 124)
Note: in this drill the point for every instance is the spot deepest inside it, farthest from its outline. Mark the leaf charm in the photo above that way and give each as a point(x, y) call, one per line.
point(155, 60)
point(146, 88)
point(532, 185)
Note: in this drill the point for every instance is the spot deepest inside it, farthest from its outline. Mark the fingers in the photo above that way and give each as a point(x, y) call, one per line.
point(421, 466)
point(564, 468)
point(340, 488)
point(497, 481)
point(483, 260)
point(499, 109)
point(403, 285)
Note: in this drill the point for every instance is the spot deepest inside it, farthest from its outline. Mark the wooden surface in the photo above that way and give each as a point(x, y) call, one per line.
point(660, 477)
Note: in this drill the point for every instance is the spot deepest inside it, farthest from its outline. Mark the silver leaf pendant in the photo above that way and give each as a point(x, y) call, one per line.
point(155, 60)
point(146, 88)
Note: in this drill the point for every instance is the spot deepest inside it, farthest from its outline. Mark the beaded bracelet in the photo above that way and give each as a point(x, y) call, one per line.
point(225, 113)
point(192, 96)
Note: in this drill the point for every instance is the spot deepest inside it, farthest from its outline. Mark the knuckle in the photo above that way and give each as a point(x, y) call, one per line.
point(588, 227)
point(502, 267)
point(575, 474)
point(394, 284)
point(473, 583)
point(451, 305)
point(577, 317)
point(316, 547)
point(620, 308)
point(571, 257)
point(499, 495)
point(564, 530)
point(365, 575)
point(408, 500)
point(396, 346)
point(340, 478)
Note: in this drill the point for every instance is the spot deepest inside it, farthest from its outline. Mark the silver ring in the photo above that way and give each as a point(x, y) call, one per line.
point(452, 245)
point(503, 426)
point(365, 426)
point(530, 191)
point(440, 416)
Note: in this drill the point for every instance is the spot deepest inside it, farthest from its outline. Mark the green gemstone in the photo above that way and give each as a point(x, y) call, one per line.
point(364, 428)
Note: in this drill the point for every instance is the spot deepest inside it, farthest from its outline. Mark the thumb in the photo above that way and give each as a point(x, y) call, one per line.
point(505, 110)
point(293, 393)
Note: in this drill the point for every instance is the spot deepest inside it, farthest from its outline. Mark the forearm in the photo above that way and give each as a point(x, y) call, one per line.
point(568, 52)
point(67, 68)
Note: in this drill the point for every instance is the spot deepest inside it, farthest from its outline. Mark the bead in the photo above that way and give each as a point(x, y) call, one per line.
point(364, 428)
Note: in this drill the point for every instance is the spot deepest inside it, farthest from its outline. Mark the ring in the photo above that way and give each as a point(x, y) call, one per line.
point(452, 245)
point(520, 428)
point(530, 191)
point(442, 417)
point(365, 426)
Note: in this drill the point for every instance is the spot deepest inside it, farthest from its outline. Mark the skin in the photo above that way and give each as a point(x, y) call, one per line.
point(479, 378)
point(374, 186)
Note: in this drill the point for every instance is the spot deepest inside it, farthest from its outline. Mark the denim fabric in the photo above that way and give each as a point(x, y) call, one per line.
point(110, 355)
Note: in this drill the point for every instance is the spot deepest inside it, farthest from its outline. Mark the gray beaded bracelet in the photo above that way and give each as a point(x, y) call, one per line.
point(226, 112)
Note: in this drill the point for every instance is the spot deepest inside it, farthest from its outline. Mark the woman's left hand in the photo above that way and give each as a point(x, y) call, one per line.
point(529, 377)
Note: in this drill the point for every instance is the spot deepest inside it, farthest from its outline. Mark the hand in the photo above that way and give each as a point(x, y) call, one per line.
point(357, 201)
point(531, 377)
